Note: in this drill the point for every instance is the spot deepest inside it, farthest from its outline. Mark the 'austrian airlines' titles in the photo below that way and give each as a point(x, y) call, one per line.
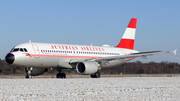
point(82, 48)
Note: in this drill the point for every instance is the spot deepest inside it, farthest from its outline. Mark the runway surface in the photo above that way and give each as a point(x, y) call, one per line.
point(88, 89)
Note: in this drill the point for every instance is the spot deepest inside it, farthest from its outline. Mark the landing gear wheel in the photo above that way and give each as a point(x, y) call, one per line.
point(92, 75)
point(96, 75)
point(58, 75)
point(26, 76)
point(61, 75)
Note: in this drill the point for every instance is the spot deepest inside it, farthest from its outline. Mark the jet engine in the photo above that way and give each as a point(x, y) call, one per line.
point(36, 71)
point(86, 68)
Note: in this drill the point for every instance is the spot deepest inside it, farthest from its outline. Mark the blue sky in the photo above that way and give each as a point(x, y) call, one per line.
point(95, 21)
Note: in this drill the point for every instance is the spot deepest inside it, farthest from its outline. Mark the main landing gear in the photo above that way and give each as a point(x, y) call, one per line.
point(96, 75)
point(60, 75)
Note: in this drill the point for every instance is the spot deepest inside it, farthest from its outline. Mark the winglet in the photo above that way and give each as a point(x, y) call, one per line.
point(175, 51)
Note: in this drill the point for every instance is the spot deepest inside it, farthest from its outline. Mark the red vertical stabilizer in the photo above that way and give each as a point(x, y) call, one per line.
point(127, 40)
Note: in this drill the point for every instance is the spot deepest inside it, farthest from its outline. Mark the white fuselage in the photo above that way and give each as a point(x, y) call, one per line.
point(42, 55)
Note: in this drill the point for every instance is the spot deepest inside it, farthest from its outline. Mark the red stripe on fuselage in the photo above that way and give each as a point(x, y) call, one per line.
point(126, 43)
point(67, 56)
point(28, 54)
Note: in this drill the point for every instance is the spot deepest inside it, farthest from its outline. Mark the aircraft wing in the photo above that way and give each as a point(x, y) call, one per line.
point(130, 56)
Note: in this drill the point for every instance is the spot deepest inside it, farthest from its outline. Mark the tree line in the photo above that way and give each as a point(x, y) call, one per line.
point(145, 68)
point(127, 68)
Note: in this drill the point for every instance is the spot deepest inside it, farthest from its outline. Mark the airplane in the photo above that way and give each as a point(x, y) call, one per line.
point(37, 58)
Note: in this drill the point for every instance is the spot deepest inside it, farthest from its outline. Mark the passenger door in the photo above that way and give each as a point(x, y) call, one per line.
point(36, 50)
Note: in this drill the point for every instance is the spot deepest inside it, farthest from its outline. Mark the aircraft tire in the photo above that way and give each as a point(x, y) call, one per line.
point(96, 75)
point(61, 75)
point(58, 75)
point(92, 75)
point(26, 76)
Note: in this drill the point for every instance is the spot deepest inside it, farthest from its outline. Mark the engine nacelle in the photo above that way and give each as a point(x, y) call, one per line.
point(86, 68)
point(36, 71)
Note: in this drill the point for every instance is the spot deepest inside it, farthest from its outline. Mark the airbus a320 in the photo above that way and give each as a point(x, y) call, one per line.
point(37, 58)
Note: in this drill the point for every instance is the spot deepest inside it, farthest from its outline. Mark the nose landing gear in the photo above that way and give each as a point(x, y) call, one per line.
point(28, 72)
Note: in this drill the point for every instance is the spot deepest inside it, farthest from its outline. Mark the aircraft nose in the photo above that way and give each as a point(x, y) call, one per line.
point(9, 58)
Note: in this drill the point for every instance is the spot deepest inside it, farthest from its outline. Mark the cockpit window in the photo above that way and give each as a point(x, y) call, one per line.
point(16, 49)
point(19, 49)
point(25, 49)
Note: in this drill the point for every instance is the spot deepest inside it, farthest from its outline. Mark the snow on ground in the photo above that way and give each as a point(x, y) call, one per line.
point(88, 89)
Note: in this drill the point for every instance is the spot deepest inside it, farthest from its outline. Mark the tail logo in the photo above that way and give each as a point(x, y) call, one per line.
point(128, 38)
